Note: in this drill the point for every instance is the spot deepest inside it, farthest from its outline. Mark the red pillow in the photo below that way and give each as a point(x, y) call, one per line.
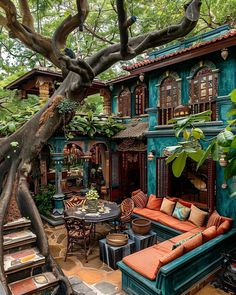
point(140, 199)
point(154, 203)
point(214, 219)
point(185, 203)
point(209, 234)
point(135, 192)
point(224, 227)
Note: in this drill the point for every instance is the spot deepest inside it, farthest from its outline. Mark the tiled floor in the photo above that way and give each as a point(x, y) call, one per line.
point(101, 279)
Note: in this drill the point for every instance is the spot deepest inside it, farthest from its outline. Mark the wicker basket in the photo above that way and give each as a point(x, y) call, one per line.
point(117, 240)
point(141, 226)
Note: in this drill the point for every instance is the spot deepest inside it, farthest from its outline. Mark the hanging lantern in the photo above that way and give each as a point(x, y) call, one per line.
point(141, 77)
point(224, 53)
point(181, 111)
point(223, 161)
point(151, 155)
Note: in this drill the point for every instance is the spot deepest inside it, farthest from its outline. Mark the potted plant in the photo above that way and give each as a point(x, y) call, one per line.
point(92, 200)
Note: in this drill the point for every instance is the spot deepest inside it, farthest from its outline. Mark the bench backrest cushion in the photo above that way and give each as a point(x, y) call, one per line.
point(140, 199)
point(154, 203)
point(209, 234)
point(225, 225)
point(214, 219)
point(167, 206)
point(181, 212)
point(174, 254)
point(193, 243)
point(197, 216)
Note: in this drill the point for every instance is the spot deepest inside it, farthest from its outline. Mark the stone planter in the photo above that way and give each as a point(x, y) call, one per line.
point(141, 226)
point(92, 205)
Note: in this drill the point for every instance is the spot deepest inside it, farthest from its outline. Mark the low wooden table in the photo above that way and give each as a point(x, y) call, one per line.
point(111, 255)
point(142, 241)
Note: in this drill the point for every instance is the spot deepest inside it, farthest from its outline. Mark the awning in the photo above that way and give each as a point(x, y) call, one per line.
point(133, 130)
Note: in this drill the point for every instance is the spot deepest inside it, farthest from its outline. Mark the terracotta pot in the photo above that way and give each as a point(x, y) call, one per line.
point(117, 240)
point(141, 226)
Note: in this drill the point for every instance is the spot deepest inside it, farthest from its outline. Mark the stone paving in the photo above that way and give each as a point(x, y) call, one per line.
point(91, 278)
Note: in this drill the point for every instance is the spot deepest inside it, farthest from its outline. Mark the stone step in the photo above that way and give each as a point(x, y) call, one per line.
point(33, 284)
point(22, 259)
point(17, 239)
point(19, 223)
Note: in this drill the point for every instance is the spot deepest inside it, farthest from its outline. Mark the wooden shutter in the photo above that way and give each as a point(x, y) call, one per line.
point(211, 183)
point(143, 171)
point(162, 178)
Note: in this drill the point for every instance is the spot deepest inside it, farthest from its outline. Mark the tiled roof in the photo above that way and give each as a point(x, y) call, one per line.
point(146, 62)
point(133, 130)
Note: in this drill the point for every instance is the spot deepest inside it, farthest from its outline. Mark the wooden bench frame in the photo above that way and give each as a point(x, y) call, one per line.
point(181, 274)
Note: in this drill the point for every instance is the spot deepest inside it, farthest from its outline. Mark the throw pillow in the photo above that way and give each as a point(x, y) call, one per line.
point(209, 234)
point(193, 243)
point(154, 203)
point(179, 243)
point(174, 254)
point(185, 203)
point(224, 227)
point(197, 216)
point(140, 199)
point(167, 206)
point(135, 192)
point(214, 219)
point(181, 212)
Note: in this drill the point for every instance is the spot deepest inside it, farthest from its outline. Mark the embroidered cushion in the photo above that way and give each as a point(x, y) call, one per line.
point(154, 203)
point(140, 199)
point(135, 192)
point(167, 206)
point(197, 216)
point(181, 212)
point(214, 219)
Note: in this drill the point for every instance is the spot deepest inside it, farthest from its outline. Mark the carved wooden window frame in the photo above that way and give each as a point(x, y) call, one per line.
point(124, 102)
point(203, 88)
point(169, 83)
point(141, 99)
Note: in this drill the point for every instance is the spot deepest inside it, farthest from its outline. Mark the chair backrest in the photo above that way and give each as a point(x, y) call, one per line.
point(127, 206)
point(74, 224)
point(73, 202)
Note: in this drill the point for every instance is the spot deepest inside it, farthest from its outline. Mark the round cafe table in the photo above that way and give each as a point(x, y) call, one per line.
point(112, 211)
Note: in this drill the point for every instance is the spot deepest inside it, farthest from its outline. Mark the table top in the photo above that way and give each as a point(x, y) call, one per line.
point(111, 212)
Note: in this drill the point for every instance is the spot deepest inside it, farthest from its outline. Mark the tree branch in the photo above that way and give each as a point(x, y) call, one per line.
point(110, 55)
point(124, 24)
point(97, 36)
point(27, 18)
point(3, 21)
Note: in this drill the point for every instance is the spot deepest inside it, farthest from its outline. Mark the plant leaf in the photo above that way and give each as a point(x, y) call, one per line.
point(179, 164)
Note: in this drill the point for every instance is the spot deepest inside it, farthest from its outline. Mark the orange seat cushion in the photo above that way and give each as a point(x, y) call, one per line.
point(209, 234)
point(214, 219)
point(154, 203)
point(197, 216)
point(181, 237)
point(174, 254)
point(146, 262)
point(192, 243)
point(224, 227)
point(167, 245)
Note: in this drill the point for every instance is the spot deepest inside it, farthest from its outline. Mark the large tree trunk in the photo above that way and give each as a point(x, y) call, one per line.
point(15, 161)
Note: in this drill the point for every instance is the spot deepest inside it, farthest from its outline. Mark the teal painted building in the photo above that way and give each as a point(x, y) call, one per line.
point(199, 72)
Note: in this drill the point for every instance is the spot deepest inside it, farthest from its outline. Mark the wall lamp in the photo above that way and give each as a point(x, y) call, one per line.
point(224, 53)
point(151, 155)
point(141, 77)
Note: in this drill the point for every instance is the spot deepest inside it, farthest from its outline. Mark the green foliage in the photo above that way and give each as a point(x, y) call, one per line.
point(43, 199)
point(189, 146)
point(91, 124)
point(66, 106)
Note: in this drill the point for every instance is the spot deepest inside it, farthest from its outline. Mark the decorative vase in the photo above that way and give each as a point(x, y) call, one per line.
point(92, 205)
point(223, 161)
point(141, 226)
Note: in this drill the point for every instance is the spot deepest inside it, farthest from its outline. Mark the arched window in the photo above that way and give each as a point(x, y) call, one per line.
point(124, 102)
point(169, 99)
point(204, 90)
point(140, 99)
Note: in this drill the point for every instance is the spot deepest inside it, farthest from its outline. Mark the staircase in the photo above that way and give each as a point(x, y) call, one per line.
point(25, 267)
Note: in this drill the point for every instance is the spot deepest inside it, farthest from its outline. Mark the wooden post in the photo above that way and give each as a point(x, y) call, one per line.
point(106, 93)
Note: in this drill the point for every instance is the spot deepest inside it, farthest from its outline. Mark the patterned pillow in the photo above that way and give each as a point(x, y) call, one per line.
point(135, 192)
point(214, 219)
point(197, 216)
point(181, 212)
point(167, 206)
point(140, 199)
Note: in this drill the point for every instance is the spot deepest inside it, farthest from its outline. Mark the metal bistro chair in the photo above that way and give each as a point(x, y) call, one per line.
point(127, 207)
point(77, 231)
